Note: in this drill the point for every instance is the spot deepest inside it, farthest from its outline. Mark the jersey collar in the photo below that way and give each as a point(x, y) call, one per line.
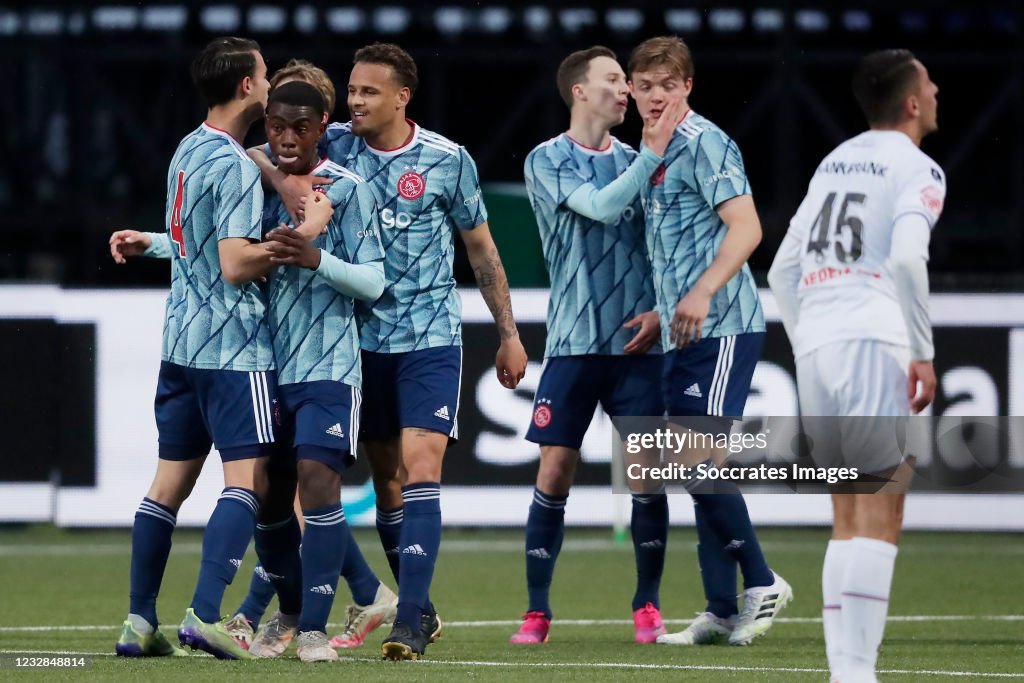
point(411, 141)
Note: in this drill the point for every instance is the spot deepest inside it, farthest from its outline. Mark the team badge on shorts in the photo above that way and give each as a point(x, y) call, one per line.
point(411, 185)
point(275, 411)
point(542, 413)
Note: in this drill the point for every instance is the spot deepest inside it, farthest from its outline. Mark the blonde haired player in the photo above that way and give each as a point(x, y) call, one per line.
point(851, 282)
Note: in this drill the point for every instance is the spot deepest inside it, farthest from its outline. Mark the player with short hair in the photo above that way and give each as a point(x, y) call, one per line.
point(307, 72)
point(375, 603)
point(702, 227)
point(217, 383)
point(603, 341)
point(426, 187)
point(851, 282)
point(316, 345)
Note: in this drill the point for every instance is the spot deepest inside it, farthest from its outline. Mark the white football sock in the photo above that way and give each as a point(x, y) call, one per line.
point(837, 557)
point(865, 603)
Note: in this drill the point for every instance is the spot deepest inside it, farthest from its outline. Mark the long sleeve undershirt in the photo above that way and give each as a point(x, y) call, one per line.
point(606, 204)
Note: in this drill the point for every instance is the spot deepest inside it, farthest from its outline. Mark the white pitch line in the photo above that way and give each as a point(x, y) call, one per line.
point(510, 546)
point(912, 618)
point(705, 667)
point(601, 665)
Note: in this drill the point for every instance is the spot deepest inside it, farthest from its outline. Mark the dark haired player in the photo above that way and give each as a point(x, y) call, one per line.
point(217, 383)
point(427, 189)
point(851, 281)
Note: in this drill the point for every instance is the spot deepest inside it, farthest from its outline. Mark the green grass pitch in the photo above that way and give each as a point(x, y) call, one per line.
point(955, 615)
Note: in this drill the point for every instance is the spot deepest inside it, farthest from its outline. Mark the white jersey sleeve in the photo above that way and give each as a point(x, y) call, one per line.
point(921, 189)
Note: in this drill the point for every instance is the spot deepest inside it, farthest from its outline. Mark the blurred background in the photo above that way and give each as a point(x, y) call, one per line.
point(98, 96)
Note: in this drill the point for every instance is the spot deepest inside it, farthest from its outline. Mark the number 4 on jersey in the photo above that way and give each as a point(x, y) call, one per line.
point(177, 236)
point(819, 240)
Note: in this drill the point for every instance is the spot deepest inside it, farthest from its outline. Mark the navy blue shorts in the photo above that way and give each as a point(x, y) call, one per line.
point(234, 410)
point(571, 387)
point(320, 421)
point(412, 389)
point(711, 377)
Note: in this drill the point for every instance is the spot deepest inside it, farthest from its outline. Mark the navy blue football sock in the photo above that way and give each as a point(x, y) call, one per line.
point(389, 528)
point(421, 540)
point(277, 546)
point(649, 528)
point(726, 514)
point(323, 551)
point(226, 537)
point(151, 545)
point(361, 580)
point(545, 528)
point(717, 568)
point(261, 591)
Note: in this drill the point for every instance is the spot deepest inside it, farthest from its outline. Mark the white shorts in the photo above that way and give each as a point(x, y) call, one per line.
point(854, 405)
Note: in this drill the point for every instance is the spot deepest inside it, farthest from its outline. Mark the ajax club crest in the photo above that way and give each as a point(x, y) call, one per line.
point(411, 185)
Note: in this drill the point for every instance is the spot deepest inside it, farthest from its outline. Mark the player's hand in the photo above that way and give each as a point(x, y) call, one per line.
point(293, 188)
point(921, 384)
point(287, 247)
point(691, 312)
point(658, 132)
point(128, 243)
point(316, 214)
point(510, 362)
point(646, 336)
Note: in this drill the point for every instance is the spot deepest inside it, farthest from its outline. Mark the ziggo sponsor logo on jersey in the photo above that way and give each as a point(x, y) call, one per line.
point(390, 219)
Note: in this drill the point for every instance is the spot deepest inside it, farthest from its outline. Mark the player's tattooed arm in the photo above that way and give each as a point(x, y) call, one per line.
point(493, 283)
point(491, 278)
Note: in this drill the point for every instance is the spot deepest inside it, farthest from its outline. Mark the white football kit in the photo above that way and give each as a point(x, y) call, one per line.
point(846, 323)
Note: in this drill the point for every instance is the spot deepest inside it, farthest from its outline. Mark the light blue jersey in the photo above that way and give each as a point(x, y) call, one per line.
point(424, 189)
point(313, 325)
point(600, 275)
point(702, 169)
point(213, 192)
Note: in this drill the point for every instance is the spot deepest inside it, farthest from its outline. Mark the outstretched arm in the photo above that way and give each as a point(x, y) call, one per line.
point(125, 244)
point(605, 205)
point(493, 283)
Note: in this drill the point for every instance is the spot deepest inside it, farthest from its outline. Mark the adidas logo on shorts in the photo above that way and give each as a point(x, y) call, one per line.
point(541, 553)
point(336, 431)
point(693, 390)
point(655, 544)
point(237, 564)
point(442, 413)
point(322, 590)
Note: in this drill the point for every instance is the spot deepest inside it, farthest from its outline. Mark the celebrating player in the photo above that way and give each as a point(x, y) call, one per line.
point(851, 281)
point(426, 188)
point(701, 228)
point(217, 383)
point(316, 345)
point(603, 341)
point(373, 602)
